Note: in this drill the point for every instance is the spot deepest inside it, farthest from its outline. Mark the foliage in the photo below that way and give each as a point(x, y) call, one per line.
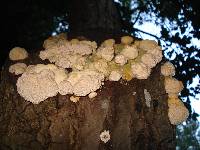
point(188, 136)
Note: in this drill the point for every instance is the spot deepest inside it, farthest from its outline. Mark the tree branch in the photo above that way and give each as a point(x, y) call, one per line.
point(138, 16)
point(138, 30)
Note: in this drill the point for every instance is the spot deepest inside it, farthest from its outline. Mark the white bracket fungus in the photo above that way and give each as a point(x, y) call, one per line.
point(85, 82)
point(140, 71)
point(92, 95)
point(121, 59)
point(18, 68)
point(115, 76)
point(172, 85)
point(36, 87)
point(168, 69)
point(106, 53)
point(177, 112)
point(18, 53)
point(130, 52)
point(90, 66)
point(69, 54)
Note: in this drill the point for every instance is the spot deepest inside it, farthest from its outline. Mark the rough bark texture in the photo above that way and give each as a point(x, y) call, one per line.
point(58, 124)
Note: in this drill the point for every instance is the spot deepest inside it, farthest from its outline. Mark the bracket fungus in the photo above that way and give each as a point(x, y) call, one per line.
point(168, 69)
point(177, 112)
point(92, 95)
point(121, 59)
point(126, 40)
point(18, 68)
point(18, 53)
point(115, 76)
point(38, 83)
point(172, 85)
point(91, 66)
point(85, 82)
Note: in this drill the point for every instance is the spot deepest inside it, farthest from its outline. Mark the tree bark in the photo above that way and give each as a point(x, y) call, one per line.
point(94, 19)
point(58, 124)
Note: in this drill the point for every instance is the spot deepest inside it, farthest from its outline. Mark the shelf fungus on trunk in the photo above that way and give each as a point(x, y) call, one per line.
point(177, 111)
point(18, 53)
point(91, 66)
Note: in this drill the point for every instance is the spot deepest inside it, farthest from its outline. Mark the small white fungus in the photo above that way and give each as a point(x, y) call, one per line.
point(92, 95)
point(121, 59)
point(115, 76)
point(105, 136)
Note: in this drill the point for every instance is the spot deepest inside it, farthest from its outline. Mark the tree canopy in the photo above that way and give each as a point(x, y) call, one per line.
point(29, 22)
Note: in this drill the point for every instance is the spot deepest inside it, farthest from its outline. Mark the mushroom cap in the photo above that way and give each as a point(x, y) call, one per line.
point(177, 112)
point(172, 85)
point(126, 40)
point(121, 59)
point(18, 68)
point(40, 81)
point(115, 76)
point(140, 71)
point(36, 87)
point(92, 95)
point(130, 52)
point(108, 43)
point(18, 53)
point(85, 82)
point(168, 69)
point(149, 60)
point(106, 53)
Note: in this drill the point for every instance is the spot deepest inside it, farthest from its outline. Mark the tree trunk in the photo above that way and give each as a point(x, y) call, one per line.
point(120, 107)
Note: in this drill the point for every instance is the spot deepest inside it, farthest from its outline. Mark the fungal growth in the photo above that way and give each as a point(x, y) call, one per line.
point(48, 80)
point(18, 53)
point(38, 83)
point(92, 95)
point(18, 68)
point(177, 112)
point(90, 67)
point(105, 136)
point(74, 99)
point(168, 69)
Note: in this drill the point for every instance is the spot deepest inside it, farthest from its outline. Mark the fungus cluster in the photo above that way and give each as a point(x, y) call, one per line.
point(90, 65)
point(126, 60)
point(177, 111)
point(48, 80)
